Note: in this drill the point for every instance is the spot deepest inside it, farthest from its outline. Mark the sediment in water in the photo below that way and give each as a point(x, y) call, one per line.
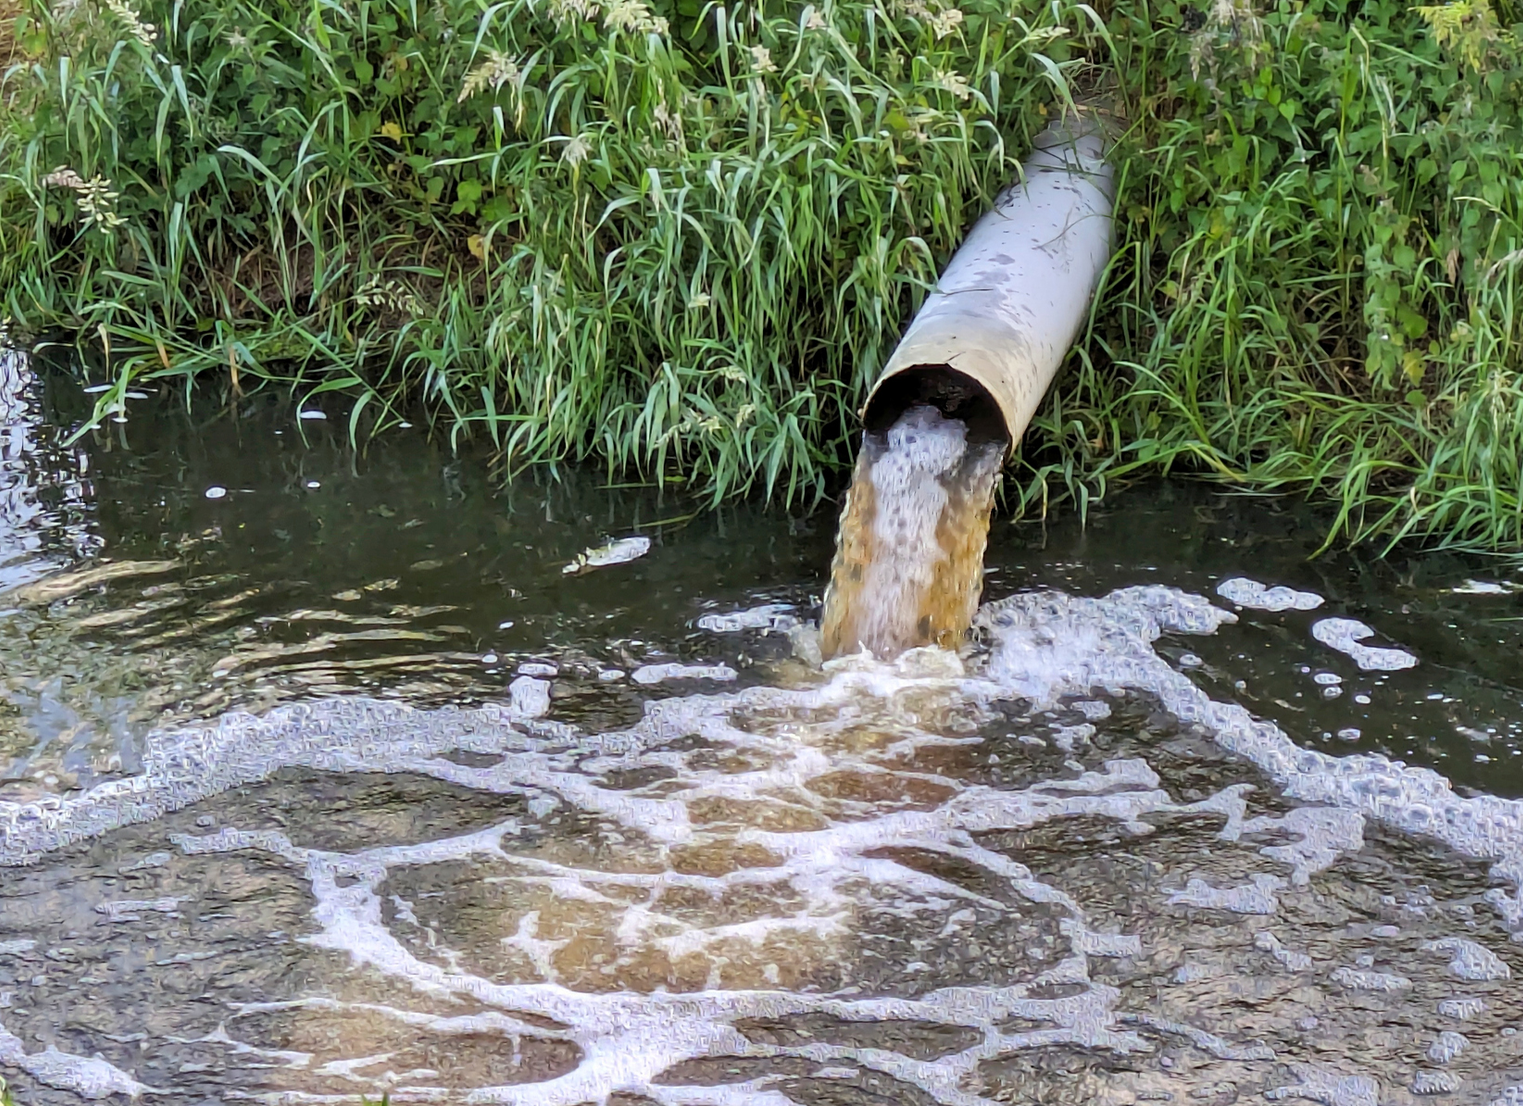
point(909, 559)
point(917, 881)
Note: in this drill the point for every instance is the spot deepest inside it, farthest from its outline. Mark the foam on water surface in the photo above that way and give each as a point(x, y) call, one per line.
point(767, 616)
point(1347, 635)
point(862, 884)
point(1255, 596)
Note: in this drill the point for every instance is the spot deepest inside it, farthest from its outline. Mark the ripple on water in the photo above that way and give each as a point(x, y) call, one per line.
point(881, 882)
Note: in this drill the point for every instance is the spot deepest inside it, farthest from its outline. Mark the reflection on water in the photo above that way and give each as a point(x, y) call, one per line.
point(44, 488)
point(344, 803)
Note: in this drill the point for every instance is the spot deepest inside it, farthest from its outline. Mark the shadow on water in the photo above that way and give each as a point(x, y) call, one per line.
point(1063, 868)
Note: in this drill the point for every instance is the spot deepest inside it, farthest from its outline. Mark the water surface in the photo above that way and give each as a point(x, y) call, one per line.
point(324, 780)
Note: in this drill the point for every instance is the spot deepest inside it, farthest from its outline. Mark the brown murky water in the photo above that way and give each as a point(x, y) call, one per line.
point(909, 560)
point(615, 838)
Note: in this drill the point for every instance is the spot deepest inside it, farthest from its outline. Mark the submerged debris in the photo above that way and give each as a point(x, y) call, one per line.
point(66, 585)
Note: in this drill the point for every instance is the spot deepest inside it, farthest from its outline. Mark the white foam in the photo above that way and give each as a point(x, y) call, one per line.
point(768, 617)
point(630, 1038)
point(89, 1077)
point(659, 673)
point(1048, 645)
point(1328, 1086)
point(1447, 1045)
point(530, 697)
point(1346, 636)
point(767, 750)
point(1290, 959)
point(1470, 960)
point(1362, 979)
point(1426, 1082)
point(1322, 834)
point(1249, 898)
point(1461, 1009)
point(1484, 587)
point(1255, 596)
point(132, 910)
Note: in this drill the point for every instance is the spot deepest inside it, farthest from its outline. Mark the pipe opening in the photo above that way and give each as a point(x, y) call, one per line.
point(956, 395)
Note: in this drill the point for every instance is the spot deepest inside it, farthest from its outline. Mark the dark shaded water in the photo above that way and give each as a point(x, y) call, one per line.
point(1126, 849)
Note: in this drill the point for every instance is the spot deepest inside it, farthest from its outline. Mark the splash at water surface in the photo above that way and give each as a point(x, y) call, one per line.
point(1051, 869)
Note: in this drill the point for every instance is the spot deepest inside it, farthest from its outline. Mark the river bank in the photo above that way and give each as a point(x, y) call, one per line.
point(679, 242)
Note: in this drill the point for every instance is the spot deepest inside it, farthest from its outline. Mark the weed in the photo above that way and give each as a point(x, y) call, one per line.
point(1316, 288)
point(679, 238)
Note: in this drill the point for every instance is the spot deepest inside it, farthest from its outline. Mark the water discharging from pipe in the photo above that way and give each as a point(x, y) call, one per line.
point(909, 561)
point(957, 392)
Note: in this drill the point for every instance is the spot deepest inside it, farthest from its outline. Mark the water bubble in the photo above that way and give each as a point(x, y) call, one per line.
point(1255, 596)
point(216, 491)
point(1347, 636)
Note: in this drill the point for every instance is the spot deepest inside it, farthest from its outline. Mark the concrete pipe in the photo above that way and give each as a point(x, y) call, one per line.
point(988, 341)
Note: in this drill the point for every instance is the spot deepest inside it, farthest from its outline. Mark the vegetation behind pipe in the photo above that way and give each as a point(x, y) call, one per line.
point(682, 238)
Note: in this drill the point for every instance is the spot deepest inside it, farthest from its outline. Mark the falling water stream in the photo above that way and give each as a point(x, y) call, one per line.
point(910, 554)
point(324, 781)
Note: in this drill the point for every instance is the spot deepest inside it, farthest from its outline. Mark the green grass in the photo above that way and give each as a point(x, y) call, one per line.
point(679, 240)
point(1316, 289)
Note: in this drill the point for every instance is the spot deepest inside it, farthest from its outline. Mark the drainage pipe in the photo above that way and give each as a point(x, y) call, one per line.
point(987, 342)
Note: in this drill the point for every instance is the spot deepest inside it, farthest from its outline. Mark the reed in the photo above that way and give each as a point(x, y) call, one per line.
point(678, 239)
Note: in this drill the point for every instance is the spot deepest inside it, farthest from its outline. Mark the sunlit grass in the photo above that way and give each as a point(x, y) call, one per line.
point(679, 240)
